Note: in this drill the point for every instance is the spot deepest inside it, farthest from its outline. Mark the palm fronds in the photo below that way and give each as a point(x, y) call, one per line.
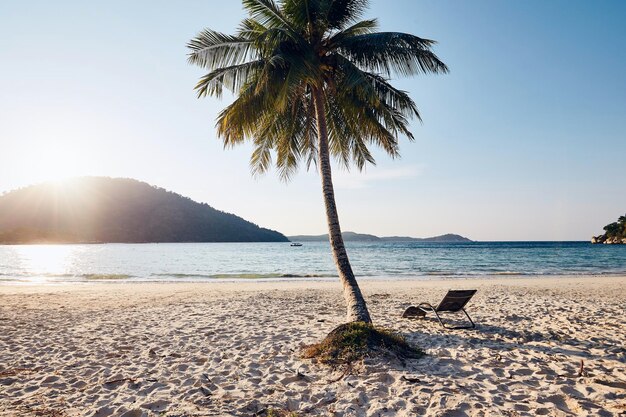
point(287, 48)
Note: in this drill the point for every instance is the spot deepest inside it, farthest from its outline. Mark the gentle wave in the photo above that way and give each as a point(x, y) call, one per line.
point(243, 276)
point(509, 273)
point(480, 273)
point(86, 276)
point(105, 276)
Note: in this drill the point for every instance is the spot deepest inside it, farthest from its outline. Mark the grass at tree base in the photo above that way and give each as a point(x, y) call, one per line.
point(351, 342)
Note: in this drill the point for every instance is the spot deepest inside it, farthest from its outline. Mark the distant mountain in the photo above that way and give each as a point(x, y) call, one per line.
point(360, 237)
point(347, 237)
point(98, 210)
point(447, 238)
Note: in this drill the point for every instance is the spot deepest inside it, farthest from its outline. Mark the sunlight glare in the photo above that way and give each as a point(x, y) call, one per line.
point(58, 160)
point(44, 262)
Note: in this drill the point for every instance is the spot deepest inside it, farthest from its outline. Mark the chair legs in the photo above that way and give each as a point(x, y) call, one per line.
point(426, 307)
point(470, 326)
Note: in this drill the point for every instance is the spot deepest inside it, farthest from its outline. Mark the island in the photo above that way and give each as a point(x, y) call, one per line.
point(117, 210)
point(361, 237)
point(614, 233)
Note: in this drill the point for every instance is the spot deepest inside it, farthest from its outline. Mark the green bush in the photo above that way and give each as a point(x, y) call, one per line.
point(616, 229)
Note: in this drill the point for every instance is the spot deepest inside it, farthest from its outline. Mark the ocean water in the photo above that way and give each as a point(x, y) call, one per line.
point(280, 261)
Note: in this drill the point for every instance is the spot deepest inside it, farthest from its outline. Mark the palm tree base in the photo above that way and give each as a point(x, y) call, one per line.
point(354, 341)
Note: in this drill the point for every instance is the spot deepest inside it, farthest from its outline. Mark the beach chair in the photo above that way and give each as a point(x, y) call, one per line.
point(453, 302)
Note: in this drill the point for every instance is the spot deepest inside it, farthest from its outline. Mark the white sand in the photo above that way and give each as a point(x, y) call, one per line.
point(233, 349)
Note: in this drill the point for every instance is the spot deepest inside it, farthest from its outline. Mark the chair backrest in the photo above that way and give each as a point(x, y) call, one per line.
point(455, 300)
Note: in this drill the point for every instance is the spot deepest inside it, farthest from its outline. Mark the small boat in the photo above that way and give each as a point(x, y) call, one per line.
point(296, 244)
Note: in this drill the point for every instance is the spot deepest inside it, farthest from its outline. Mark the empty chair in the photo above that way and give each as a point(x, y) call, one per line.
point(453, 302)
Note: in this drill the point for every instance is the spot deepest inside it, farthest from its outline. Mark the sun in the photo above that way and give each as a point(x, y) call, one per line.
point(57, 162)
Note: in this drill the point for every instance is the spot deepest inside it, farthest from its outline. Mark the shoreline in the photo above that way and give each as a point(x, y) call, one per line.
point(45, 281)
point(232, 349)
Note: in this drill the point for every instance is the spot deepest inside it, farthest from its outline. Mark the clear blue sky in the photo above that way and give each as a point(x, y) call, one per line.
point(525, 139)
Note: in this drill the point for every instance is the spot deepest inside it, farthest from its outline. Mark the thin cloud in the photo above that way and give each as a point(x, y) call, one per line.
point(355, 179)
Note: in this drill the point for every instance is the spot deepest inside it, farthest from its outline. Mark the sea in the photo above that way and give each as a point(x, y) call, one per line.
point(215, 262)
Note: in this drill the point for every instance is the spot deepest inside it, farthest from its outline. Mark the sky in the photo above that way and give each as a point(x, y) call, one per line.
point(524, 139)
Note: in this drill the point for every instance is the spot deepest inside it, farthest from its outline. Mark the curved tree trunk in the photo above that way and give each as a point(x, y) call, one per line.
point(357, 309)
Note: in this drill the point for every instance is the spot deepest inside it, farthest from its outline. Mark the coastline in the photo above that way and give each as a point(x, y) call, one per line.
point(112, 279)
point(231, 348)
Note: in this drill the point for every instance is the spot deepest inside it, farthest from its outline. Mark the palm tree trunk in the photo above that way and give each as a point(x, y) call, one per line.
point(357, 309)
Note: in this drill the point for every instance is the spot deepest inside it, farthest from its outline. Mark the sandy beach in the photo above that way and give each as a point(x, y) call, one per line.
point(542, 346)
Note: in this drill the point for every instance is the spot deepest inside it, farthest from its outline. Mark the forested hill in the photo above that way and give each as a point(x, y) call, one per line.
point(98, 210)
point(361, 237)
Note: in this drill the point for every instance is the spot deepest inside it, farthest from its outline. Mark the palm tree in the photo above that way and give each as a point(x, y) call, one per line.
point(311, 80)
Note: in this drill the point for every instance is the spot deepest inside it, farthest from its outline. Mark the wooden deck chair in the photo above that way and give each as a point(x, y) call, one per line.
point(453, 302)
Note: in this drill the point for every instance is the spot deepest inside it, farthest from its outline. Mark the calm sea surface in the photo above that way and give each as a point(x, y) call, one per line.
point(276, 261)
